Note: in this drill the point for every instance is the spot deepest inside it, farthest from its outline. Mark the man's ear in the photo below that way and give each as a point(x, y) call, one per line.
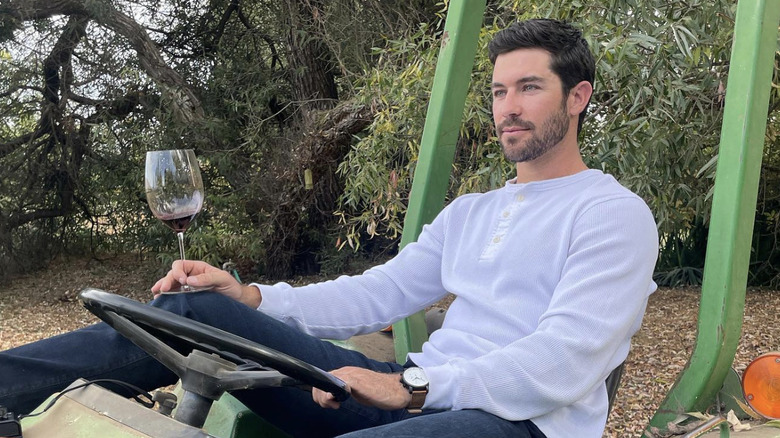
point(579, 96)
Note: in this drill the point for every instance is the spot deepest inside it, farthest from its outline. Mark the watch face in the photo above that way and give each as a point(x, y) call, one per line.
point(415, 377)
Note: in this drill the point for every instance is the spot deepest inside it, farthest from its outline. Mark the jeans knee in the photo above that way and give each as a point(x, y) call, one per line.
point(210, 308)
point(185, 303)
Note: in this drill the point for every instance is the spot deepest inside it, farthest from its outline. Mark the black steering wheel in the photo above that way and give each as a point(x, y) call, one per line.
point(204, 374)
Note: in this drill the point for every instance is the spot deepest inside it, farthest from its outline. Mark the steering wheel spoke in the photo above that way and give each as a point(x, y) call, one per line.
point(150, 344)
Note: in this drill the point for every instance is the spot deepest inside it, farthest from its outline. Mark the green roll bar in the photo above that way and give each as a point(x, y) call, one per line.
point(437, 147)
point(733, 212)
point(734, 199)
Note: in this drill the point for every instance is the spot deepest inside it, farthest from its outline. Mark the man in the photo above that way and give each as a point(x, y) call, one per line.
point(551, 275)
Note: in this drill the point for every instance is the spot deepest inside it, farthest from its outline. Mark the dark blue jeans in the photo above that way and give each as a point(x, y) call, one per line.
point(30, 373)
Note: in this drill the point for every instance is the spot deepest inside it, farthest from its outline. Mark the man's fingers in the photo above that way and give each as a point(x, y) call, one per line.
point(178, 265)
point(330, 402)
point(211, 278)
point(186, 272)
point(177, 271)
point(200, 280)
point(162, 285)
point(189, 267)
point(325, 399)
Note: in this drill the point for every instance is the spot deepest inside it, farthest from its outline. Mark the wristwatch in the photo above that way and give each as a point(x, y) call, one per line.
point(415, 380)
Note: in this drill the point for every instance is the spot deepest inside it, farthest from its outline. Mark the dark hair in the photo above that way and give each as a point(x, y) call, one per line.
point(570, 57)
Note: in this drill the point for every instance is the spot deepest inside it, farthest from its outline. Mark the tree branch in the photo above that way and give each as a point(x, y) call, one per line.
point(59, 58)
point(27, 10)
point(17, 219)
point(117, 108)
point(11, 145)
point(220, 29)
point(13, 90)
point(185, 105)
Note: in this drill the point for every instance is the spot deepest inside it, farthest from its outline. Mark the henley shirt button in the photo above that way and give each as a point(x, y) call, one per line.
point(505, 214)
point(496, 239)
point(520, 198)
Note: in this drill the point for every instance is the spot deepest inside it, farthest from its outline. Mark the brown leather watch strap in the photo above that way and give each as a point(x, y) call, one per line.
point(417, 402)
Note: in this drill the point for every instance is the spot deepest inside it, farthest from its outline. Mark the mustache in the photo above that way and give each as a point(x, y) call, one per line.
point(515, 122)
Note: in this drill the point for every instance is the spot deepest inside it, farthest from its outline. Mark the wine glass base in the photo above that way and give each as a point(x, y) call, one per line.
point(186, 290)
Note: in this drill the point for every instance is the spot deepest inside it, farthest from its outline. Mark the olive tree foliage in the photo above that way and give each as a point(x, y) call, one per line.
point(52, 112)
point(255, 87)
point(653, 122)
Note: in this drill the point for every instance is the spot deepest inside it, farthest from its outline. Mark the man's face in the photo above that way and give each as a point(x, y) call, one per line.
point(529, 108)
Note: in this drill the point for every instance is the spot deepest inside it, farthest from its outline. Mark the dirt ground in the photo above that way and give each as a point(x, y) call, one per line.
point(44, 304)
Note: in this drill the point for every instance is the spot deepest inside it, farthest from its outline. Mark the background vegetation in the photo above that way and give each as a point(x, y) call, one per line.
point(265, 90)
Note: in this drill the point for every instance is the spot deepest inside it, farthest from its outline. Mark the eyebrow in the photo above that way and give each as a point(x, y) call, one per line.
point(523, 80)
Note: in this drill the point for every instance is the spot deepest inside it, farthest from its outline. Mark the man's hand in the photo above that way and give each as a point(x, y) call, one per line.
point(382, 390)
point(201, 274)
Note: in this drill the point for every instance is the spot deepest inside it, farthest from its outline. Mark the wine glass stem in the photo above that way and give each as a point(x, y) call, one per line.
point(180, 235)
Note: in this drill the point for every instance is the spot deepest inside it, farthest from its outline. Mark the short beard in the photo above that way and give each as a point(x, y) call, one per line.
point(553, 130)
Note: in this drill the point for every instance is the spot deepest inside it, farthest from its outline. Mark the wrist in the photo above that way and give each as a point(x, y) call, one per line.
point(414, 380)
point(251, 296)
point(398, 378)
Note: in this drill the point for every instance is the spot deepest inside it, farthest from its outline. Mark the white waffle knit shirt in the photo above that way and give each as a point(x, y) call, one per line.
point(551, 280)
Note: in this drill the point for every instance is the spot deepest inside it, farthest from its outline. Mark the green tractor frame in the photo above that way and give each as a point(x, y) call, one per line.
point(91, 411)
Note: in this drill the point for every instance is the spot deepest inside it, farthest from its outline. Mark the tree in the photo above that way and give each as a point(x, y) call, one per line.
point(93, 84)
point(268, 92)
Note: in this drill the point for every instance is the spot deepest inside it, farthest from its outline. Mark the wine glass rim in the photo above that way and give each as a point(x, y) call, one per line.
point(169, 150)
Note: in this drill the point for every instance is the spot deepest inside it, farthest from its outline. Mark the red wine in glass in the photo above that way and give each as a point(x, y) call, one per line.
point(178, 224)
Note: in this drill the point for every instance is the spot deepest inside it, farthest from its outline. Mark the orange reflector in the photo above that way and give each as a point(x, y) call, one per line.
point(761, 385)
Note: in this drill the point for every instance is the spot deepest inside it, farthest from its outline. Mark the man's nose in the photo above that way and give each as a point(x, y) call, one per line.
point(513, 105)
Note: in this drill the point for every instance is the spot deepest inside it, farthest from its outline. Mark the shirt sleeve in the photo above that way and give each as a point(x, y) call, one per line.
point(596, 307)
point(352, 305)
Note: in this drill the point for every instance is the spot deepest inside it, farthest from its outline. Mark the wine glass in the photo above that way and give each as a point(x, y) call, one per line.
point(174, 191)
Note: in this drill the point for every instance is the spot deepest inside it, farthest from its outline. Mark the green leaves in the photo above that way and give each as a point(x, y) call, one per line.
point(654, 120)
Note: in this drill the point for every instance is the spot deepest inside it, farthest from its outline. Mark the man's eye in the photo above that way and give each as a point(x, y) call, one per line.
point(530, 87)
point(499, 93)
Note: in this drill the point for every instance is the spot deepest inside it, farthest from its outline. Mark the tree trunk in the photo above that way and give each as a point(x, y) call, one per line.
point(311, 64)
point(302, 212)
point(311, 73)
